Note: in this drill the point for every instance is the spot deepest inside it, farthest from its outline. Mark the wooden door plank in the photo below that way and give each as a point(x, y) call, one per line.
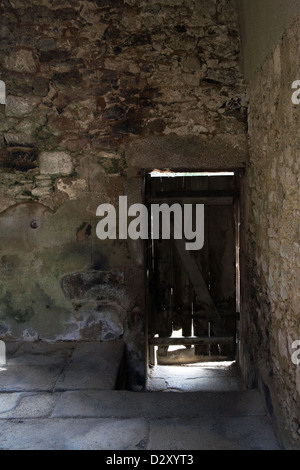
point(185, 340)
point(199, 284)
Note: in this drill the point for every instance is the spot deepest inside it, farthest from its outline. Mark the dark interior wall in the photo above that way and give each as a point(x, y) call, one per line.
point(270, 225)
point(97, 91)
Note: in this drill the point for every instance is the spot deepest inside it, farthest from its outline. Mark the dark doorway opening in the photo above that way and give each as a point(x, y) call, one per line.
point(193, 296)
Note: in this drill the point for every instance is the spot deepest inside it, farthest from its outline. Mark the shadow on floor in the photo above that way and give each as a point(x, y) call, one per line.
point(61, 397)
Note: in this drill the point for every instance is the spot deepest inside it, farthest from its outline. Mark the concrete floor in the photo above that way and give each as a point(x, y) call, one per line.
point(61, 396)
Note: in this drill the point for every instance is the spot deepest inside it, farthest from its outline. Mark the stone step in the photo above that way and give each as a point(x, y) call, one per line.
point(231, 433)
point(124, 404)
point(42, 366)
point(119, 419)
point(93, 366)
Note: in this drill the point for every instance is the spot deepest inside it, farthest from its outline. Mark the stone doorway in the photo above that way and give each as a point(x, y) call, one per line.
point(193, 296)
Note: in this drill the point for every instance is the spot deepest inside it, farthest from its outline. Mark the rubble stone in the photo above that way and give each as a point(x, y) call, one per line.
point(55, 163)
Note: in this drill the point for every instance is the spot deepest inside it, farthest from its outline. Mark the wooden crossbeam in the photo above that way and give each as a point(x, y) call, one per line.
point(207, 200)
point(203, 315)
point(186, 340)
point(196, 193)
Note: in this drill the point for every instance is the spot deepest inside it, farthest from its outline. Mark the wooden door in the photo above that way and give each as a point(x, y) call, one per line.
point(193, 292)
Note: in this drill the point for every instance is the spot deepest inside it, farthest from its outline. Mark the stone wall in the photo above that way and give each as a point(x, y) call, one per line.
point(262, 23)
point(270, 308)
point(96, 92)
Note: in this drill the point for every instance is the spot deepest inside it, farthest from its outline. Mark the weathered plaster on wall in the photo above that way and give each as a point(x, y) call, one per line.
point(85, 82)
point(270, 321)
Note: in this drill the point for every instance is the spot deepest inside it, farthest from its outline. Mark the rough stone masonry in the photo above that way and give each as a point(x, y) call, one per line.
point(96, 92)
point(271, 304)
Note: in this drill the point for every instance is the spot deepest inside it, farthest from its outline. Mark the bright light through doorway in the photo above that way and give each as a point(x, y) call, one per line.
point(205, 377)
point(172, 174)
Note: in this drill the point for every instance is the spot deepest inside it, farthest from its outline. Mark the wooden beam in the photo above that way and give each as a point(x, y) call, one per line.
point(203, 315)
point(196, 193)
point(208, 201)
point(185, 340)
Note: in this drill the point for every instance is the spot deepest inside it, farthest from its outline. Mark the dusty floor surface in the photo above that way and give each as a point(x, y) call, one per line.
point(61, 396)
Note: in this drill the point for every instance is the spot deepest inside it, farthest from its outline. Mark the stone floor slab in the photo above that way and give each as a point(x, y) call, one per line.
point(42, 354)
point(125, 404)
point(28, 405)
point(8, 402)
point(231, 433)
point(73, 434)
point(61, 396)
point(93, 366)
point(28, 378)
point(205, 384)
point(209, 378)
